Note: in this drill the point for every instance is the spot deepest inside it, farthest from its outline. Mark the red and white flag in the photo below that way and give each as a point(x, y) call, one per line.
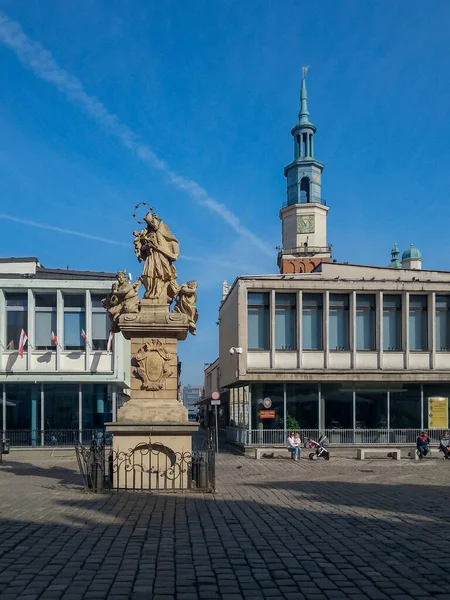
point(110, 342)
point(85, 337)
point(22, 342)
point(55, 338)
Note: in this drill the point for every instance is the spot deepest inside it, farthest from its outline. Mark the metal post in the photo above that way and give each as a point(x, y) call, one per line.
point(4, 410)
point(217, 430)
point(80, 413)
point(388, 412)
point(284, 409)
point(42, 416)
point(354, 412)
point(421, 408)
point(319, 408)
point(114, 404)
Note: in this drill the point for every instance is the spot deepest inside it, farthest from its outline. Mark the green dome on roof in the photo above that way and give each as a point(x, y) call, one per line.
point(412, 252)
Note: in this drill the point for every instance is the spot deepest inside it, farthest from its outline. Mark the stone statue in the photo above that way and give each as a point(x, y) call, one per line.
point(151, 368)
point(158, 249)
point(186, 303)
point(122, 299)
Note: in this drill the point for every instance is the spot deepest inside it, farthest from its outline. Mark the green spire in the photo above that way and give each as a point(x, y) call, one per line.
point(303, 115)
point(395, 262)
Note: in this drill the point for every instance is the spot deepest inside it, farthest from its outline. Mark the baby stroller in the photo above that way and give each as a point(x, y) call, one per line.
point(319, 448)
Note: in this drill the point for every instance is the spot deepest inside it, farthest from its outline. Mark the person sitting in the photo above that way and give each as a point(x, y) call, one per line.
point(423, 444)
point(298, 443)
point(292, 447)
point(444, 444)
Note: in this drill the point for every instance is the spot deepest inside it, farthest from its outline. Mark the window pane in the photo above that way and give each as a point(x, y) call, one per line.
point(45, 324)
point(312, 322)
point(392, 322)
point(418, 323)
point(23, 410)
point(15, 322)
point(302, 405)
point(285, 322)
point(17, 300)
point(97, 406)
point(365, 322)
point(371, 406)
point(339, 322)
point(73, 324)
point(274, 391)
point(258, 328)
point(45, 300)
point(60, 410)
point(442, 323)
point(74, 300)
point(96, 300)
point(405, 406)
point(338, 404)
point(100, 330)
point(258, 299)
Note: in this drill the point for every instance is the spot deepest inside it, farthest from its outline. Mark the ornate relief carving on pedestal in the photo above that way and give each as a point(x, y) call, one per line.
point(151, 365)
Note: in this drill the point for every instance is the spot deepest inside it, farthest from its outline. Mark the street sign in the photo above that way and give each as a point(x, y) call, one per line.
point(215, 395)
point(267, 414)
point(215, 402)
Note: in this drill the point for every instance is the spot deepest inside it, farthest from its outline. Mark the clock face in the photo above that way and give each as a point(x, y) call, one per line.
point(316, 178)
point(305, 224)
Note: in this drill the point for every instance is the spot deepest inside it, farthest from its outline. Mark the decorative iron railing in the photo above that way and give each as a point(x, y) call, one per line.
point(149, 466)
point(336, 437)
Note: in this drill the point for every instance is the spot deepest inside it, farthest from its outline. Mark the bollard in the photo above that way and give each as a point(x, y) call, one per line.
point(202, 482)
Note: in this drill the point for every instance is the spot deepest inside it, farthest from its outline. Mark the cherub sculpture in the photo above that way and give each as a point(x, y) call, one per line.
point(123, 298)
point(185, 303)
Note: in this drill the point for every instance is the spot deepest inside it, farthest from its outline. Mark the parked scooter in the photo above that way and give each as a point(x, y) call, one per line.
point(319, 448)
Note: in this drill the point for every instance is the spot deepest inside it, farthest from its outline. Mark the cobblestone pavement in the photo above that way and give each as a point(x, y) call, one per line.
point(275, 529)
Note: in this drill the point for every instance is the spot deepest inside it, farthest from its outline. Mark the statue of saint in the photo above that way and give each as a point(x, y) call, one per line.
point(158, 249)
point(123, 298)
point(186, 303)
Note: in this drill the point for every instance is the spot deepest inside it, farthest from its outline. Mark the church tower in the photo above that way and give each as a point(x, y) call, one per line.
point(304, 214)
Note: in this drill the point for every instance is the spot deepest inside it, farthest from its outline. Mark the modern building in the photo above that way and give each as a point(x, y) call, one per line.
point(68, 382)
point(191, 397)
point(360, 352)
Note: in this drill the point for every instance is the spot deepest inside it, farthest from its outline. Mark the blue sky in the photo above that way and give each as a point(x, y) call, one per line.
point(211, 89)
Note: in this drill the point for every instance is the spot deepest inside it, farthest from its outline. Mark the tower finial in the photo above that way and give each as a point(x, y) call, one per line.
point(303, 115)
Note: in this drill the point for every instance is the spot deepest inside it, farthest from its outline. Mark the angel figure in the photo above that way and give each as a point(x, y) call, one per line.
point(186, 303)
point(123, 298)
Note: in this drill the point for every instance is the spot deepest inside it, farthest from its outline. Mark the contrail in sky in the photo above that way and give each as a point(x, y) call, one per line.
point(34, 56)
point(113, 242)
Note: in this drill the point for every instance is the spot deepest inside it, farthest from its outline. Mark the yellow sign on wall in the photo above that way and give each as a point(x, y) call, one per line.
point(437, 413)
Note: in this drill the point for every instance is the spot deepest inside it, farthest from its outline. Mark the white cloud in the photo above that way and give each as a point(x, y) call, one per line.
point(34, 56)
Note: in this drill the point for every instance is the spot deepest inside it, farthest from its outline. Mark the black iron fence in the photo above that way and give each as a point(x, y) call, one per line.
point(34, 438)
point(147, 467)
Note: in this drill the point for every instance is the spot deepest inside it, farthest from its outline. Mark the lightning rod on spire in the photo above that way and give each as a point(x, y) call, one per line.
point(304, 71)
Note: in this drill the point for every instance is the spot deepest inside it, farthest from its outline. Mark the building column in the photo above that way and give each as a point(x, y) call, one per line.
point(326, 329)
point(421, 407)
point(272, 328)
point(3, 339)
point(35, 399)
point(88, 322)
point(31, 331)
point(353, 329)
point(249, 410)
point(354, 411)
point(321, 408)
point(388, 412)
point(59, 327)
point(432, 329)
point(307, 146)
point(42, 416)
point(284, 408)
point(311, 149)
point(80, 413)
point(405, 328)
point(379, 329)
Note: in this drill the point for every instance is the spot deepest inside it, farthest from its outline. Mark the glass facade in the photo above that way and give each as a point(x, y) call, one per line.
point(285, 322)
point(101, 325)
point(418, 323)
point(45, 321)
point(404, 406)
point(16, 318)
point(392, 322)
point(302, 401)
point(275, 392)
point(49, 414)
point(442, 323)
point(312, 314)
point(258, 321)
point(371, 406)
point(365, 321)
point(74, 321)
point(339, 335)
point(337, 405)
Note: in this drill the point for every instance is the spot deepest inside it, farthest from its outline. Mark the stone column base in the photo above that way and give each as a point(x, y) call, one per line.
point(151, 456)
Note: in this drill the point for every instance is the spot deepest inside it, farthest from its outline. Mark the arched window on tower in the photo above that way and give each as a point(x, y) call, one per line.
point(304, 190)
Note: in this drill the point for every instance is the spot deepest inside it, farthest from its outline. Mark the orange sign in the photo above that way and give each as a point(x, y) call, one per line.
point(267, 414)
